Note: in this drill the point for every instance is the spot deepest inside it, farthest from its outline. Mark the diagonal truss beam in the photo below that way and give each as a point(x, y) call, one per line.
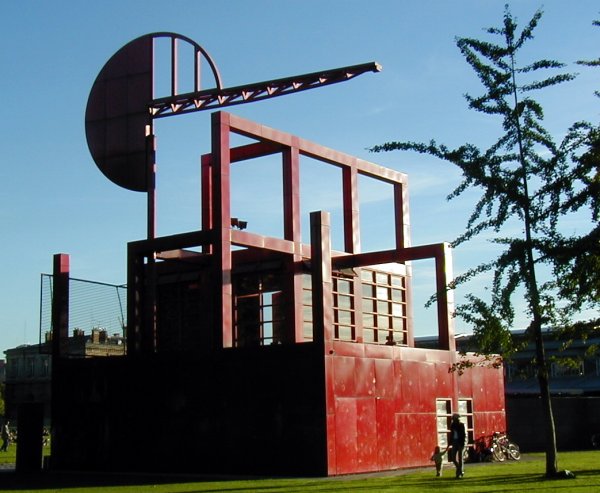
point(219, 98)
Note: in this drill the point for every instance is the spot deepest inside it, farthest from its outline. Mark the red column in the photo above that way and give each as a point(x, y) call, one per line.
point(445, 297)
point(322, 289)
point(206, 197)
point(60, 306)
point(292, 232)
point(351, 209)
point(222, 226)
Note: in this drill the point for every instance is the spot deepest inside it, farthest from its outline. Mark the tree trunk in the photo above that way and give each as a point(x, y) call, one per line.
point(534, 299)
point(546, 402)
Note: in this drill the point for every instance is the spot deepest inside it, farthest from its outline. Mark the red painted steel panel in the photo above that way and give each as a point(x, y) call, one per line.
point(367, 443)
point(443, 380)
point(427, 389)
point(117, 115)
point(344, 378)
point(345, 436)
point(427, 429)
point(387, 436)
point(398, 390)
point(494, 384)
point(386, 383)
point(364, 373)
point(329, 384)
point(378, 351)
point(483, 424)
point(410, 387)
point(408, 437)
point(343, 348)
point(331, 444)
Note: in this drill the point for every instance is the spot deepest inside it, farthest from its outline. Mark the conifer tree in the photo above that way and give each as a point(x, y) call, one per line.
point(517, 176)
point(577, 258)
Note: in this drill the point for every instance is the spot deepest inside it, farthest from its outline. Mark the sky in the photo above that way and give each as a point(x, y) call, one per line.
point(54, 199)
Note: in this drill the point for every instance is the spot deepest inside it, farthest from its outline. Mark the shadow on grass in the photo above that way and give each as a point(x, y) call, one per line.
point(11, 480)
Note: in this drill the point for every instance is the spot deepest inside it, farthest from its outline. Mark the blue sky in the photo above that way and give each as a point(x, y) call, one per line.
point(53, 198)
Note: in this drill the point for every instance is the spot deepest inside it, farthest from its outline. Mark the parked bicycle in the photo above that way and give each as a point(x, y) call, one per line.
point(503, 448)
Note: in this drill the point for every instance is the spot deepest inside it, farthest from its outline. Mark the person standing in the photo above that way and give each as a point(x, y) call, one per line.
point(458, 436)
point(438, 459)
point(5, 435)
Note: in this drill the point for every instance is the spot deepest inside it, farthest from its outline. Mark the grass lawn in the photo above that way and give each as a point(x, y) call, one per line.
point(9, 456)
point(515, 477)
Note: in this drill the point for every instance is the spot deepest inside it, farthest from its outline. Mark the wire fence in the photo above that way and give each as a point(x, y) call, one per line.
point(92, 305)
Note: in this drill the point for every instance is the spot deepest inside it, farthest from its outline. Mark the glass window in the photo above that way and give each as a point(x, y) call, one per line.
point(343, 286)
point(258, 310)
point(397, 295)
point(443, 411)
point(344, 302)
point(383, 293)
point(383, 322)
point(345, 333)
point(381, 278)
point(397, 310)
point(398, 281)
point(366, 275)
point(369, 319)
point(369, 335)
point(384, 307)
point(368, 290)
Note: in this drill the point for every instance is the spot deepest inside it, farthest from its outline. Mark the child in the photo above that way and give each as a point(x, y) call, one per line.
point(438, 458)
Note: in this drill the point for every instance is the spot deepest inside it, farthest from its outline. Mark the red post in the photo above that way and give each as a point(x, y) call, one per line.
point(221, 226)
point(445, 297)
point(322, 288)
point(60, 306)
point(292, 232)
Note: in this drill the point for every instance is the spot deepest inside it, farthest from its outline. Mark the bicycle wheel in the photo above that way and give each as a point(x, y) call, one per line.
point(498, 453)
point(513, 451)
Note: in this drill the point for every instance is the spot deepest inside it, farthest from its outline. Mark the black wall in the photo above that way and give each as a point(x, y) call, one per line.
point(256, 410)
point(576, 419)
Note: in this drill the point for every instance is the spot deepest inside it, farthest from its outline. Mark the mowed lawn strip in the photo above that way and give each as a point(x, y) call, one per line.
point(526, 475)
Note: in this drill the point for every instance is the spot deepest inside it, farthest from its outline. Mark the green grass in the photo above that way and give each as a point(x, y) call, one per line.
point(9, 456)
point(515, 477)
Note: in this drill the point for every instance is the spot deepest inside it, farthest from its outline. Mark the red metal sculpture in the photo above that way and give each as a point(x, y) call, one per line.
point(122, 106)
point(257, 354)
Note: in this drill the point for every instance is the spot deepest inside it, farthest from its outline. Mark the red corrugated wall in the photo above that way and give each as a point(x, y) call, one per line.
point(381, 404)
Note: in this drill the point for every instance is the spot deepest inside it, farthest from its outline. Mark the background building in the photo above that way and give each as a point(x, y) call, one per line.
point(29, 368)
point(574, 387)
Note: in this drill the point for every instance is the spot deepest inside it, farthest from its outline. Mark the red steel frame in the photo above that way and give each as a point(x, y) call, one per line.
point(374, 393)
point(218, 237)
point(368, 405)
point(332, 406)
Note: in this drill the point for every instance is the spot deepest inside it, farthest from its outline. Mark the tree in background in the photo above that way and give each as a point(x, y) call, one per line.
point(522, 177)
point(577, 257)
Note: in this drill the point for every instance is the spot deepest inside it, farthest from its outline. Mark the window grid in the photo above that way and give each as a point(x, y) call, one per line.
point(344, 317)
point(258, 314)
point(443, 412)
point(384, 308)
point(307, 314)
point(560, 369)
point(465, 409)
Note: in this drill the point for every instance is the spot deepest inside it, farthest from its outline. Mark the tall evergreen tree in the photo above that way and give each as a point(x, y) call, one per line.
point(517, 177)
point(577, 258)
